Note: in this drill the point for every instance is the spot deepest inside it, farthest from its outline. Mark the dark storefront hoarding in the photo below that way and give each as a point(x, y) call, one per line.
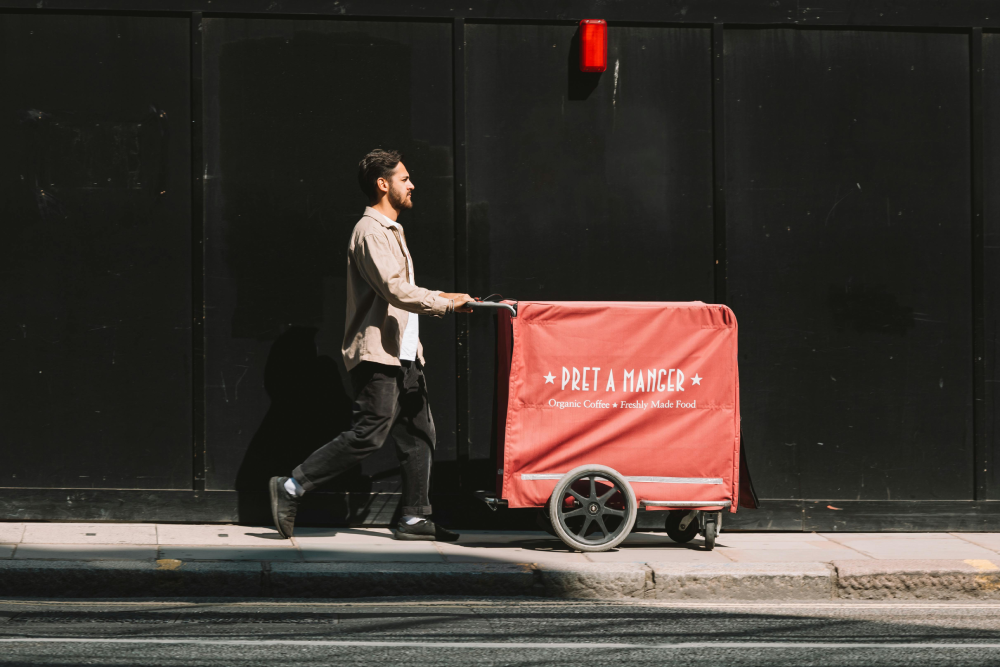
point(96, 252)
point(179, 188)
point(847, 208)
point(283, 98)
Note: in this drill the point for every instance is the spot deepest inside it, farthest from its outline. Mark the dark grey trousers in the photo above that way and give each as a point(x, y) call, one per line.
point(388, 400)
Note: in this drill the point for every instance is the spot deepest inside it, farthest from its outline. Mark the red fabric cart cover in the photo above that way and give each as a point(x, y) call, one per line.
point(649, 389)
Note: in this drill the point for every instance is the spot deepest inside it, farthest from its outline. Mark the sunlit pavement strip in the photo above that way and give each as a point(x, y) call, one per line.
point(505, 645)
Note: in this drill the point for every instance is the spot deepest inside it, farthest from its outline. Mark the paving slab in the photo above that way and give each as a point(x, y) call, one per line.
point(541, 541)
point(82, 533)
point(924, 547)
point(216, 553)
point(647, 540)
point(10, 533)
point(392, 551)
point(791, 555)
point(219, 535)
point(85, 552)
point(459, 553)
point(342, 535)
point(776, 542)
point(881, 536)
point(989, 541)
point(674, 554)
point(506, 536)
point(772, 536)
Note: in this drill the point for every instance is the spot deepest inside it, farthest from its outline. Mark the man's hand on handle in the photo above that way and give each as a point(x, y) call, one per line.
point(460, 301)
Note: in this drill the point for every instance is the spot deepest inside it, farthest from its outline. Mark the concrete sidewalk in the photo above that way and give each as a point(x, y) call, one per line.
point(107, 560)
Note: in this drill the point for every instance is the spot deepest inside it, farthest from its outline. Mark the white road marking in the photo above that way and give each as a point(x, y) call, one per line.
point(500, 645)
point(507, 604)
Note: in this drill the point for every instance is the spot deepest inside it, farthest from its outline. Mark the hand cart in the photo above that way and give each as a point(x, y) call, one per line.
point(606, 408)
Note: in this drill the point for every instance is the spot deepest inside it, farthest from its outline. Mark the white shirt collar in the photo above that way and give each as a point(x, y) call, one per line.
point(381, 218)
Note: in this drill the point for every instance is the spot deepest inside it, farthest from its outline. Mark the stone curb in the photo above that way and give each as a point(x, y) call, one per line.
point(594, 580)
point(854, 579)
point(917, 579)
point(128, 578)
point(742, 581)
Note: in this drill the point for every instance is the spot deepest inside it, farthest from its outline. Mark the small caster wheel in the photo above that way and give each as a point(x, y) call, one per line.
point(682, 525)
point(711, 529)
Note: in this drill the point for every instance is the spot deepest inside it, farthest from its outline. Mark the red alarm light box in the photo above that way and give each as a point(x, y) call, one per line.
point(593, 45)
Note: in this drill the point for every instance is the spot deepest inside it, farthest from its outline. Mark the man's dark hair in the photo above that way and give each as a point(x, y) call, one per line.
point(377, 164)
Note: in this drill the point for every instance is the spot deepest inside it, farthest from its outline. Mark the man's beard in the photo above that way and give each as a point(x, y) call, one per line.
point(399, 202)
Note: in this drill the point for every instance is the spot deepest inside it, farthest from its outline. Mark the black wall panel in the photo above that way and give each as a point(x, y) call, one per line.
point(991, 115)
point(586, 186)
point(848, 209)
point(290, 108)
point(95, 273)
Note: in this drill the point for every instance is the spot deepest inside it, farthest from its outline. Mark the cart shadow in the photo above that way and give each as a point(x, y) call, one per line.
point(539, 542)
point(555, 545)
point(335, 532)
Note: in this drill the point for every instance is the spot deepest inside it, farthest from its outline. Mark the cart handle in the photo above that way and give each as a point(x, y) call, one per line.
point(486, 306)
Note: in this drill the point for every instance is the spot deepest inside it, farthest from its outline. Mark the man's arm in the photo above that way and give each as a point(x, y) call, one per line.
point(374, 260)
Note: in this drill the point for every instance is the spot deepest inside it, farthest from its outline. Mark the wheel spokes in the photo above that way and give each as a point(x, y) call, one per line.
point(603, 499)
point(584, 512)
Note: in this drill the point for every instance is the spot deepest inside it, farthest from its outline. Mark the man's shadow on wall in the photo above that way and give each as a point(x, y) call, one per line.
point(309, 407)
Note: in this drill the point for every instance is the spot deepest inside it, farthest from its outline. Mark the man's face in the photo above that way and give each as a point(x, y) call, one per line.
point(400, 188)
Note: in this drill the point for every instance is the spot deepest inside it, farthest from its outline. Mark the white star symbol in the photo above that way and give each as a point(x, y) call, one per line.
point(550, 378)
point(696, 380)
point(614, 405)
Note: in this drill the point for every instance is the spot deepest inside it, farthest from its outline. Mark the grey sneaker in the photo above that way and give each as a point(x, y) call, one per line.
point(284, 507)
point(425, 530)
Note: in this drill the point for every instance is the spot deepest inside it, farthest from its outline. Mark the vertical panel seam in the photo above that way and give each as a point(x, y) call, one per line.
point(977, 154)
point(463, 420)
point(197, 262)
point(719, 165)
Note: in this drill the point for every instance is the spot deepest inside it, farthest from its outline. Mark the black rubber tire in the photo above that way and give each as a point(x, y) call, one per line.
point(543, 521)
point(621, 494)
point(674, 527)
point(711, 532)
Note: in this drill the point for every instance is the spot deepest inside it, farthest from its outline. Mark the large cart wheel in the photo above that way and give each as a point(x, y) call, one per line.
point(593, 508)
point(682, 525)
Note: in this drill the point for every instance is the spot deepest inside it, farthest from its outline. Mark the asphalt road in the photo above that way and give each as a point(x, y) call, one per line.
point(495, 632)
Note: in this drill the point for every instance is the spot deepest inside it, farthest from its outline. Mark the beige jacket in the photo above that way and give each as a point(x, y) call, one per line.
point(380, 297)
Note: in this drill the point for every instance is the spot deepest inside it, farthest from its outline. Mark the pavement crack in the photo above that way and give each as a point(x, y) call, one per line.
point(265, 579)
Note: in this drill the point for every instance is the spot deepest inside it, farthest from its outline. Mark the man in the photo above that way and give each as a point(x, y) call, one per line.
point(383, 354)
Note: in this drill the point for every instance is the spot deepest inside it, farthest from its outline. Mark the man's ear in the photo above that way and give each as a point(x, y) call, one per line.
point(382, 184)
